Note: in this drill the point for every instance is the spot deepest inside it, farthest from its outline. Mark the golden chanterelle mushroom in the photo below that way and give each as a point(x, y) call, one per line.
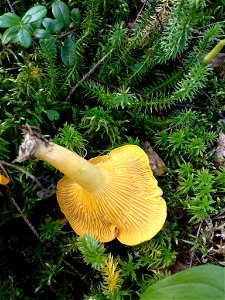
point(110, 196)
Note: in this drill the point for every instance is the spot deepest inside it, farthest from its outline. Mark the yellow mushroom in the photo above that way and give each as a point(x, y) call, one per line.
point(110, 196)
point(4, 180)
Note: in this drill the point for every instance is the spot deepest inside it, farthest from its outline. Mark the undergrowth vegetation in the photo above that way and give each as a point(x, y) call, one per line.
point(94, 75)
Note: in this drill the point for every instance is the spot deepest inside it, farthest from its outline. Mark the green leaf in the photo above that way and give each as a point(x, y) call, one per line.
point(52, 114)
point(34, 25)
point(11, 34)
point(42, 34)
point(16, 34)
point(34, 14)
point(51, 229)
point(9, 19)
point(75, 16)
point(68, 55)
point(24, 37)
point(204, 282)
point(51, 25)
point(48, 46)
point(61, 12)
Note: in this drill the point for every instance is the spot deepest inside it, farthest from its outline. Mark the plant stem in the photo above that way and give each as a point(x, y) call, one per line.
point(137, 17)
point(73, 166)
point(11, 7)
point(4, 170)
point(219, 46)
point(157, 16)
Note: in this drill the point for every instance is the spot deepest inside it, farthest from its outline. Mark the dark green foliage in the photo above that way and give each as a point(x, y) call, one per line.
point(196, 283)
point(51, 229)
point(99, 125)
point(92, 250)
point(94, 75)
point(70, 138)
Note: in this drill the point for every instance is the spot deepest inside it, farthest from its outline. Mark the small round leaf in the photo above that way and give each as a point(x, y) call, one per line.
point(42, 34)
point(61, 12)
point(53, 26)
point(52, 114)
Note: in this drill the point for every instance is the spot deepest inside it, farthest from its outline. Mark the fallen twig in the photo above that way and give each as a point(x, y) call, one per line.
point(12, 199)
point(11, 7)
point(23, 171)
point(157, 16)
point(73, 89)
point(193, 251)
point(138, 16)
point(4, 170)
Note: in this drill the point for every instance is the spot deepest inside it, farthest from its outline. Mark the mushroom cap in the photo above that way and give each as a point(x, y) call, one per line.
point(4, 180)
point(129, 205)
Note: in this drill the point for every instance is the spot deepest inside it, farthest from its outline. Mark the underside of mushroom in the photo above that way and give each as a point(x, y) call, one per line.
point(110, 196)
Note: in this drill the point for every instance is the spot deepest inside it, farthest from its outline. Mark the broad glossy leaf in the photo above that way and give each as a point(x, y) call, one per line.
point(9, 19)
point(34, 25)
point(42, 34)
point(11, 34)
point(75, 16)
point(68, 55)
point(204, 282)
point(34, 14)
point(53, 26)
point(24, 37)
point(61, 12)
point(49, 47)
point(28, 27)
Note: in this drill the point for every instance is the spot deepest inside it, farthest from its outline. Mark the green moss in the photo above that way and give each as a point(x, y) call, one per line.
point(141, 74)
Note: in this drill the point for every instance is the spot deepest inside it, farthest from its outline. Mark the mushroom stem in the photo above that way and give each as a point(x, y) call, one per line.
point(76, 168)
